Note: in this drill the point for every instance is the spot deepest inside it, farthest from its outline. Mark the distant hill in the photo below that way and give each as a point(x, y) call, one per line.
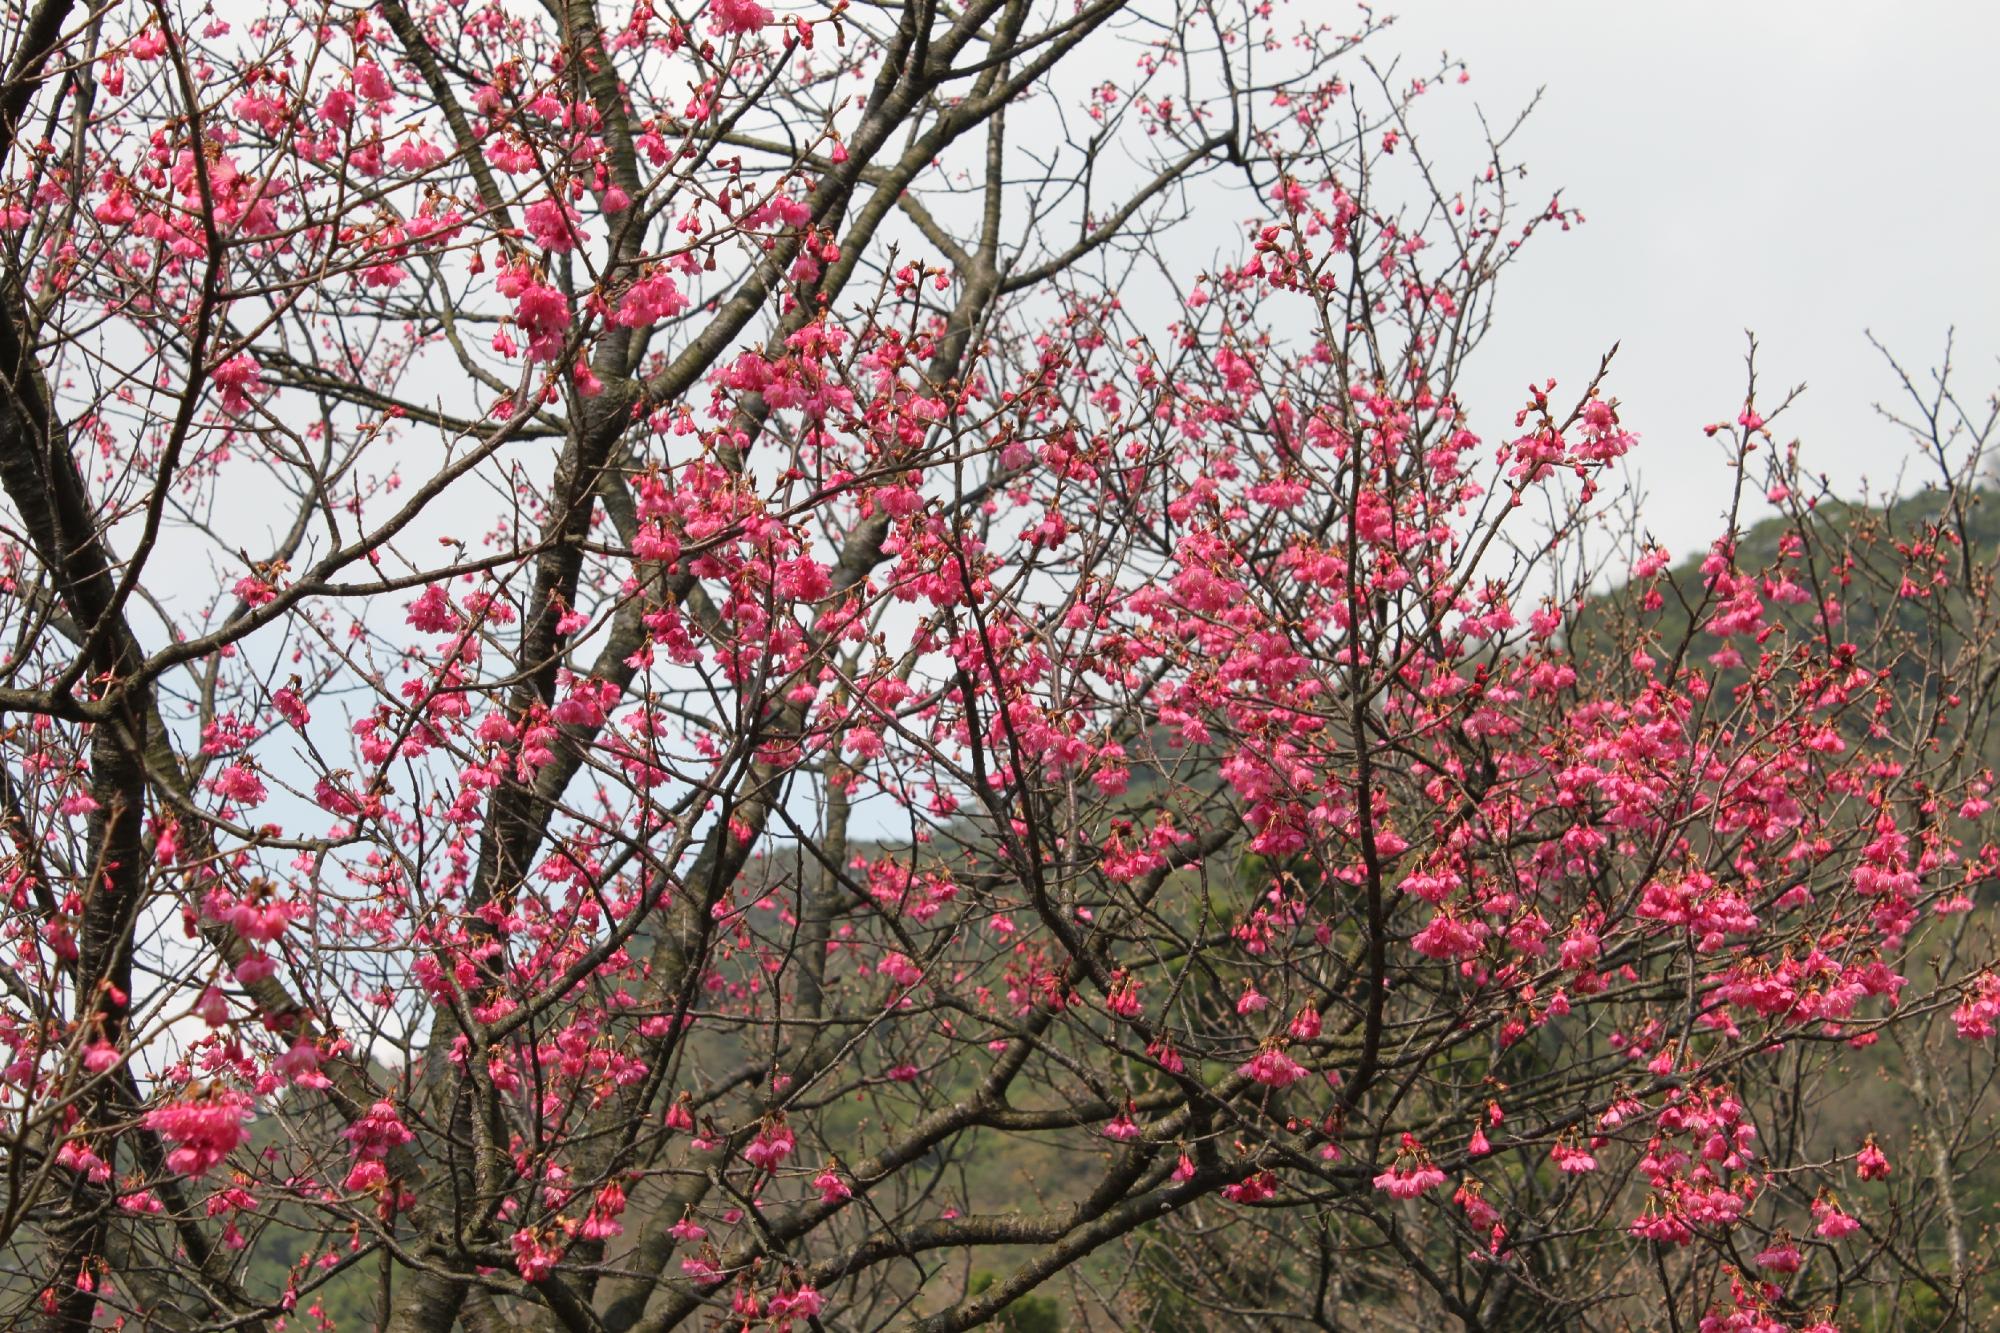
point(1856, 555)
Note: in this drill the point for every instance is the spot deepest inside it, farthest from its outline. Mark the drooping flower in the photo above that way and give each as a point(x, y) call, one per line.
point(773, 1144)
point(1781, 1255)
point(540, 311)
point(1272, 1068)
point(728, 17)
point(1573, 1158)
point(1871, 1163)
point(1122, 1128)
point(1412, 1174)
point(832, 1189)
point(237, 378)
point(534, 1257)
point(1832, 1222)
point(203, 1131)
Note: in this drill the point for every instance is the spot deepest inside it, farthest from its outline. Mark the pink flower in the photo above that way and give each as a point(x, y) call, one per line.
point(832, 1189)
point(552, 223)
point(533, 1259)
point(212, 1007)
point(1413, 1173)
point(800, 1304)
point(254, 591)
point(203, 1131)
point(1781, 1256)
point(79, 1157)
point(899, 969)
point(1665, 1228)
point(237, 378)
point(1448, 937)
point(540, 311)
point(416, 155)
point(1258, 1188)
point(1833, 1223)
point(1273, 1068)
point(372, 83)
point(291, 705)
point(773, 1144)
point(238, 784)
point(366, 1176)
point(432, 612)
point(1870, 1163)
point(337, 108)
point(300, 1065)
point(377, 1132)
point(727, 17)
point(1572, 1158)
point(258, 922)
point(1407, 1182)
point(256, 967)
point(602, 1221)
point(649, 301)
point(1579, 948)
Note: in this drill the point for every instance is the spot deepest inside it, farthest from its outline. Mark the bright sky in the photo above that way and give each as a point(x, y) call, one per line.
point(1809, 169)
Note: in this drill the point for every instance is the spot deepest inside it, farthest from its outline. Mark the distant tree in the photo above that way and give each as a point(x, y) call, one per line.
point(677, 667)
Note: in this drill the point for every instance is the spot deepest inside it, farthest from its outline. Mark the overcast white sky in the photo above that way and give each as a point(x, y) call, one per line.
point(1809, 169)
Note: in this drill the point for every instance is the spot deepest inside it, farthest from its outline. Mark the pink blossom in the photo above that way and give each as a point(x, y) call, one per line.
point(416, 155)
point(553, 225)
point(372, 83)
point(1871, 1163)
point(1256, 1189)
point(772, 1145)
point(534, 1258)
point(300, 1065)
point(1448, 937)
point(727, 17)
point(432, 612)
point(804, 1303)
point(203, 1131)
point(238, 784)
point(255, 967)
point(1832, 1222)
point(1781, 1256)
point(540, 311)
point(1272, 1068)
point(212, 1007)
point(649, 301)
point(1122, 1128)
point(1407, 1181)
point(1572, 1158)
point(237, 378)
point(378, 1132)
point(832, 1189)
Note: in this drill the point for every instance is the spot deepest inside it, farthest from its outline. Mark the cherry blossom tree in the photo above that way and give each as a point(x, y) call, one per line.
point(772, 666)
